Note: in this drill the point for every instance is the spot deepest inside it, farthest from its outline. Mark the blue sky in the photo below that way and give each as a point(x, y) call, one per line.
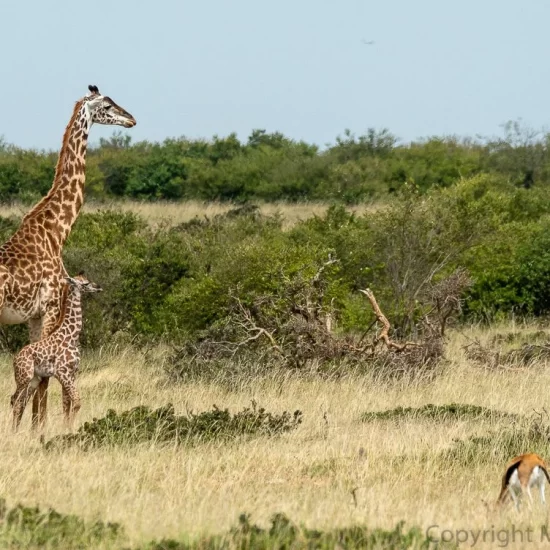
point(299, 67)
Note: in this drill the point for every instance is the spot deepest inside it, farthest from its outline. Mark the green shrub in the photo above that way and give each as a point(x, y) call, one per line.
point(175, 283)
point(26, 527)
point(511, 271)
point(499, 446)
point(241, 257)
point(274, 167)
point(439, 413)
point(142, 424)
point(284, 534)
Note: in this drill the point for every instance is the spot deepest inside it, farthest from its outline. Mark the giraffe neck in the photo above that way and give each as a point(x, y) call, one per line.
point(71, 315)
point(58, 210)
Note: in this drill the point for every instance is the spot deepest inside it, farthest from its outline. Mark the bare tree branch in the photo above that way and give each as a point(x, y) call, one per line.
point(384, 334)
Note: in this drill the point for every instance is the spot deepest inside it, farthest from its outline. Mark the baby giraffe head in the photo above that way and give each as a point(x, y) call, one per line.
point(81, 283)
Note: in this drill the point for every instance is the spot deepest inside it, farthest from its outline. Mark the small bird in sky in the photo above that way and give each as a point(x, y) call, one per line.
point(368, 42)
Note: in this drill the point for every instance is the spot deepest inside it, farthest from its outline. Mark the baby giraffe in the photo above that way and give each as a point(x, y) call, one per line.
point(522, 473)
point(57, 355)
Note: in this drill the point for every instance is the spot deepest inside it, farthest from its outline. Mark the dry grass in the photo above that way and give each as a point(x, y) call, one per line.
point(309, 474)
point(175, 213)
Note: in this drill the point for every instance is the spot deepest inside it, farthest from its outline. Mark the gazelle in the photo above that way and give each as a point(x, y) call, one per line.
point(522, 473)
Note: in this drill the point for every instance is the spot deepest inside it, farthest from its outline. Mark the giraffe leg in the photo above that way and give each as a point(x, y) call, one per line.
point(66, 398)
point(35, 331)
point(40, 404)
point(19, 400)
point(71, 400)
point(43, 327)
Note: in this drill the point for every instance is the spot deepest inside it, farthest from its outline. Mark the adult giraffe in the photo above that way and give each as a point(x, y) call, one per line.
point(31, 266)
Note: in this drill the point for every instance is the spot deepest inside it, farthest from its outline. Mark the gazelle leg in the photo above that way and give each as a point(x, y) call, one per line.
point(514, 497)
point(530, 496)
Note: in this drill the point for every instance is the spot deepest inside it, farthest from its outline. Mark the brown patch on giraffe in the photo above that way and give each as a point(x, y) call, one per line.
point(53, 209)
point(66, 196)
point(78, 202)
point(74, 187)
point(49, 224)
point(67, 213)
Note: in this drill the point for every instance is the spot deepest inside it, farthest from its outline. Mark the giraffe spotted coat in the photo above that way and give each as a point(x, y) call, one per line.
point(31, 264)
point(57, 355)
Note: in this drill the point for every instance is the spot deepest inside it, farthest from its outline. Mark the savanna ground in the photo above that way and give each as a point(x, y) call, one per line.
point(174, 213)
point(335, 470)
point(395, 467)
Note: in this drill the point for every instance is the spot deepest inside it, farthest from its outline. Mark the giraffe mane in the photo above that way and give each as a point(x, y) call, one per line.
point(60, 161)
point(66, 135)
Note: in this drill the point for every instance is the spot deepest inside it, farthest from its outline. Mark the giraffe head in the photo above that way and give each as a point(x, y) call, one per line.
point(83, 284)
point(101, 109)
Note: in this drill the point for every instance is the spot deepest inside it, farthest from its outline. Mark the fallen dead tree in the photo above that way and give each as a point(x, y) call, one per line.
point(384, 333)
point(527, 355)
point(297, 329)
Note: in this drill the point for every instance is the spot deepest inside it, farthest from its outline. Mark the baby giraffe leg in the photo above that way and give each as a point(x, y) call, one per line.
point(71, 400)
point(23, 392)
point(40, 405)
